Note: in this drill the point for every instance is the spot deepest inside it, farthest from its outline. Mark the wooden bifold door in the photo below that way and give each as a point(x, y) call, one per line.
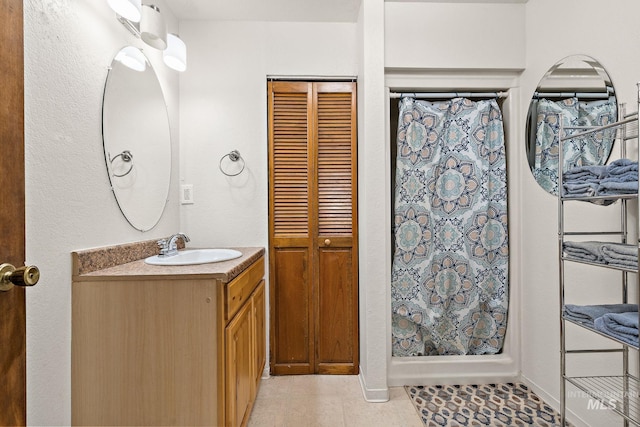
point(313, 242)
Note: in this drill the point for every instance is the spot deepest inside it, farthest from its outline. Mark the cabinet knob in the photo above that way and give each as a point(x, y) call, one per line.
point(327, 242)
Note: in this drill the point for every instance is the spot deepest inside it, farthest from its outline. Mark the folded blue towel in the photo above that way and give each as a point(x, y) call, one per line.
point(597, 171)
point(618, 177)
point(587, 314)
point(580, 188)
point(620, 255)
point(620, 251)
point(615, 187)
point(620, 166)
point(623, 326)
point(623, 177)
point(582, 176)
point(584, 251)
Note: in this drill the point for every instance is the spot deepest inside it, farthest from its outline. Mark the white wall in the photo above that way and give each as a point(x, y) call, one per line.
point(69, 205)
point(374, 218)
point(223, 98)
point(555, 30)
point(432, 35)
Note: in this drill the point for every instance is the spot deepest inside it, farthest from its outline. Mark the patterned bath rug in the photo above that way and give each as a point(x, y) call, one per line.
point(495, 405)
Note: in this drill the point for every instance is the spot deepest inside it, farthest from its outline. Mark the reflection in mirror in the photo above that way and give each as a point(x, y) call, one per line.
point(137, 140)
point(577, 91)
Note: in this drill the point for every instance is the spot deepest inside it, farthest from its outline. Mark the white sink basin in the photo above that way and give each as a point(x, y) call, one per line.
point(195, 256)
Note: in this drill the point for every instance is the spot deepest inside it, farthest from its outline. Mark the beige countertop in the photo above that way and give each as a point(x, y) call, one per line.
point(224, 271)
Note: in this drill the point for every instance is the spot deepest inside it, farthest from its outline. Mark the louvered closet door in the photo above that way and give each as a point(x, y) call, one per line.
point(313, 262)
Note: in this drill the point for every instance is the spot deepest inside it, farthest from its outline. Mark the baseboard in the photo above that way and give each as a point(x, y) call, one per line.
point(440, 370)
point(373, 395)
point(266, 373)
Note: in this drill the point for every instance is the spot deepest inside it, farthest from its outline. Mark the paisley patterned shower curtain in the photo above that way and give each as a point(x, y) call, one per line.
point(449, 286)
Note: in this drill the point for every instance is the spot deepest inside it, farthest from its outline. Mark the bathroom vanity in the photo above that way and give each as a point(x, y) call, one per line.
point(166, 345)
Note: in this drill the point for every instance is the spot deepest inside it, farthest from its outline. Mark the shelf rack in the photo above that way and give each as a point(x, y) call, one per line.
point(619, 393)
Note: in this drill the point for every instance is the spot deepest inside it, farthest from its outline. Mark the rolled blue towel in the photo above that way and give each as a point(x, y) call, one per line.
point(587, 314)
point(584, 251)
point(623, 326)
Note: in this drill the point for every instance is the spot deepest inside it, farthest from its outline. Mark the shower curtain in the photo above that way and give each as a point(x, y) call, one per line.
point(585, 151)
point(449, 285)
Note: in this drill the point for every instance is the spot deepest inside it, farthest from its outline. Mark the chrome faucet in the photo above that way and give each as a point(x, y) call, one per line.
point(169, 247)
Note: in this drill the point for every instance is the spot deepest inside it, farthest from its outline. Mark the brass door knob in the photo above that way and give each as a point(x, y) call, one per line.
point(327, 242)
point(22, 276)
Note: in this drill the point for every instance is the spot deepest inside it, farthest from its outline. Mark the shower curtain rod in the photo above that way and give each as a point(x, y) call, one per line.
point(446, 95)
point(584, 95)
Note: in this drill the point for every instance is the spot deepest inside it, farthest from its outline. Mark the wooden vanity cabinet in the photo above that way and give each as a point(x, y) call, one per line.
point(167, 350)
point(245, 344)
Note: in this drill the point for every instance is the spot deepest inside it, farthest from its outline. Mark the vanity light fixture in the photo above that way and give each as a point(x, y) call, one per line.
point(129, 9)
point(175, 55)
point(153, 29)
point(149, 25)
point(133, 58)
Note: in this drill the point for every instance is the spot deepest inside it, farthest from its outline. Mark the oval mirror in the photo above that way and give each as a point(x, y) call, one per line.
point(577, 91)
point(136, 138)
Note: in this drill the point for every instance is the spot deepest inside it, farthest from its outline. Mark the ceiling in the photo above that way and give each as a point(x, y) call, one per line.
point(266, 10)
point(283, 10)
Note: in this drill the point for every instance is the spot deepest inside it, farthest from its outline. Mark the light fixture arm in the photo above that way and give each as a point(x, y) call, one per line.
point(132, 27)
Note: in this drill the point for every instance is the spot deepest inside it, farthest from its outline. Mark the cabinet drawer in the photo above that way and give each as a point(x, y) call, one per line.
point(240, 288)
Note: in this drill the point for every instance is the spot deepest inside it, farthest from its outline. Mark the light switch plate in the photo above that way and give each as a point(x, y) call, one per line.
point(186, 194)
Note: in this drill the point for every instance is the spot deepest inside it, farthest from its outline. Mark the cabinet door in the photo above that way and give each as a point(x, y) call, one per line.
point(239, 363)
point(259, 331)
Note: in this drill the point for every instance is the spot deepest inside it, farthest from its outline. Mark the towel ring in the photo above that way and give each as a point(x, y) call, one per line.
point(127, 157)
point(234, 156)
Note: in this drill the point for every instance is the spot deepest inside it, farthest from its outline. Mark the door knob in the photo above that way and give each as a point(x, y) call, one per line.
point(22, 276)
point(327, 242)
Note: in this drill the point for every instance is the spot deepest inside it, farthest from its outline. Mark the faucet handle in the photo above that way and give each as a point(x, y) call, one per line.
point(162, 243)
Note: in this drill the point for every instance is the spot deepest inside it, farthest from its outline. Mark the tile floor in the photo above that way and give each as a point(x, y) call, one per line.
point(327, 400)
